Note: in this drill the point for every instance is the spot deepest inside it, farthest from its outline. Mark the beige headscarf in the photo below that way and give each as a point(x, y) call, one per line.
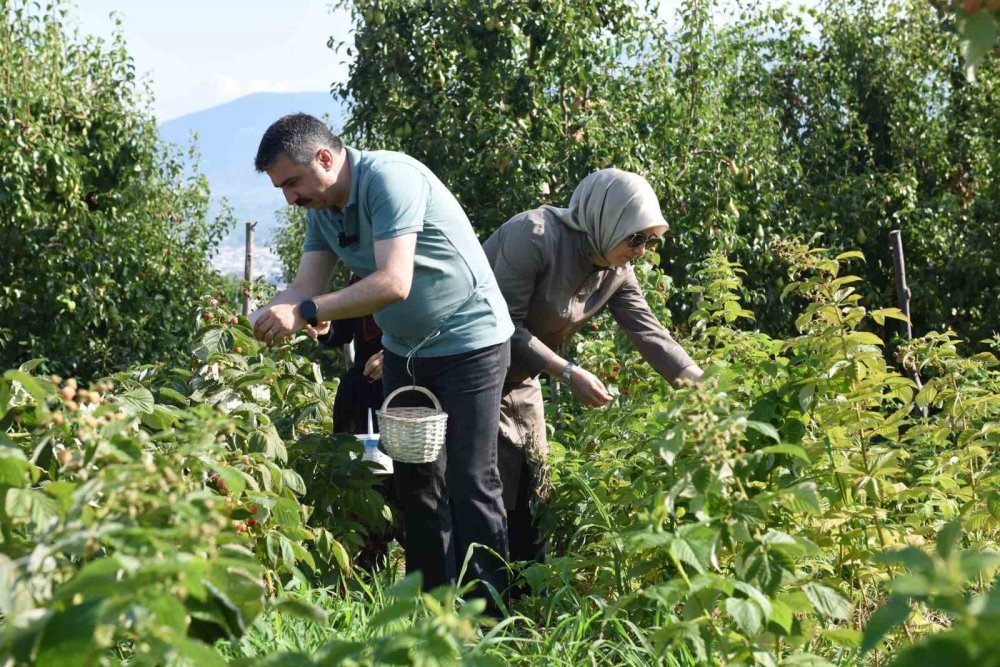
point(610, 205)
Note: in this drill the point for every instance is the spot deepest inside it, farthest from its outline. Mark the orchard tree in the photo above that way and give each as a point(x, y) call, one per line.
point(510, 104)
point(835, 123)
point(104, 239)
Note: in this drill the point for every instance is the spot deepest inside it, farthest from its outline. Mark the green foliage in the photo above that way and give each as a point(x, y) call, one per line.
point(289, 237)
point(844, 120)
point(104, 241)
point(201, 511)
point(162, 508)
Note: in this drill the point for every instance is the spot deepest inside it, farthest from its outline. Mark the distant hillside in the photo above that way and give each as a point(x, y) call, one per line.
point(227, 139)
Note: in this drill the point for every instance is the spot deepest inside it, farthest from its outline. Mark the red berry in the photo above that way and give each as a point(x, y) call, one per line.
point(208, 317)
point(251, 522)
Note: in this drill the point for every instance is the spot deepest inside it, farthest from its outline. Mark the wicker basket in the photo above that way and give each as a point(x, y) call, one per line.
point(412, 435)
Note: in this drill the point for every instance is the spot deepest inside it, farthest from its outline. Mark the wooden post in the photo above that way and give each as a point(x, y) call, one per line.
point(248, 268)
point(903, 297)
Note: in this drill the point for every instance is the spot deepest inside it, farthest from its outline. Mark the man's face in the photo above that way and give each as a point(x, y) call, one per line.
point(304, 185)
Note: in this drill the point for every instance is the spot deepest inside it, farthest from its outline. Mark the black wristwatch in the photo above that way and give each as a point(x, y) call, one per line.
point(307, 309)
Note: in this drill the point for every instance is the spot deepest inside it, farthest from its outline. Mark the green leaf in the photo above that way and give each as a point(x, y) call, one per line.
point(30, 506)
point(240, 593)
point(340, 556)
point(337, 652)
point(806, 660)
point(97, 579)
point(292, 480)
point(803, 498)
point(301, 609)
point(948, 538)
point(764, 428)
point(196, 653)
point(941, 650)
point(161, 417)
point(235, 483)
point(827, 601)
point(979, 35)
point(781, 615)
point(138, 401)
point(34, 388)
point(894, 612)
point(213, 341)
point(864, 338)
point(407, 588)
point(912, 558)
point(843, 637)
point(791, 450)
point(267, 441)
point(850, 254)
point(882, 313)
point(286, 512)
point(693, 545)
point(166, 393)
point(14, 468)
point(396, 611)
point(68, 639)
point(747, 614)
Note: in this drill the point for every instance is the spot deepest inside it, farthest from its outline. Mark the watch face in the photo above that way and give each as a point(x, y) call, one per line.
point(308, 310)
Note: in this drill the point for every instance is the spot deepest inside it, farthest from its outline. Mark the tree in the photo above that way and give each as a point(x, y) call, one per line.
point(104, 239)
point(835, 124)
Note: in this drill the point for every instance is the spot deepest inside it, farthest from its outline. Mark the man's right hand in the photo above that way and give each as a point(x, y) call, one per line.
point(588, 389)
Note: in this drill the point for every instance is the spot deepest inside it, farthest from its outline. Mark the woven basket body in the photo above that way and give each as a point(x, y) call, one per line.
point(412, 435)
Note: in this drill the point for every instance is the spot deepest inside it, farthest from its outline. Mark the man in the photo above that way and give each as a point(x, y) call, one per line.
point(427, 281)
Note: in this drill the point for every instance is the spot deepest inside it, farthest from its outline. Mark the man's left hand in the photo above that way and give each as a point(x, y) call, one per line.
point(278, 322)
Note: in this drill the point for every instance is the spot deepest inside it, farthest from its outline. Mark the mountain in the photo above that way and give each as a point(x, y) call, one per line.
point(227, 139)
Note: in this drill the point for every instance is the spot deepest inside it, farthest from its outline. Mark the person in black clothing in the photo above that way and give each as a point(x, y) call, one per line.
point(361, 386)
point(360, 389)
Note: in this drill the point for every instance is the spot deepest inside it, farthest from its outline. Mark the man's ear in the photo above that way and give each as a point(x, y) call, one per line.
point(324, 156)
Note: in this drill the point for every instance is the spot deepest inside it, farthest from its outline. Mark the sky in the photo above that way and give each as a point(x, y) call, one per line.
point(202, 53)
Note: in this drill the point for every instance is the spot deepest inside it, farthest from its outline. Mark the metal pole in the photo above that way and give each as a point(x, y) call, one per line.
point(903, 297)
point(248, 268)
point(902, 290)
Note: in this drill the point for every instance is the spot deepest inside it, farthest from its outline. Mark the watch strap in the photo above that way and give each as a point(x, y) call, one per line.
point(566, 376)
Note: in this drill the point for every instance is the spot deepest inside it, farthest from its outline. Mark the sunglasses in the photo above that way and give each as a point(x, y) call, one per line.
point(642, 238)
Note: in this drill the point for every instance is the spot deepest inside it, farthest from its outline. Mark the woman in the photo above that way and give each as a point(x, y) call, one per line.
point(557, 268)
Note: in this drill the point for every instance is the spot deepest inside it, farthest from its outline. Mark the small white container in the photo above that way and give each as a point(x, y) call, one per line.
point(374, 454)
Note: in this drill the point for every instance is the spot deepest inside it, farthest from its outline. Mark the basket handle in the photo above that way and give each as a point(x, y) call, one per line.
point(412, 387)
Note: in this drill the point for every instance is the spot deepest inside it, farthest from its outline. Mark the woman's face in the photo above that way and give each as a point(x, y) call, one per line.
point(624, 251)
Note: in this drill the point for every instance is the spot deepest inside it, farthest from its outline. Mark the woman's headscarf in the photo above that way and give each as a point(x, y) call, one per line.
point(610, 205)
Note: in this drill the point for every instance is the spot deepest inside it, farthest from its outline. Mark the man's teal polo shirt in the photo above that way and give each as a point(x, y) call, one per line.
point(453, 286)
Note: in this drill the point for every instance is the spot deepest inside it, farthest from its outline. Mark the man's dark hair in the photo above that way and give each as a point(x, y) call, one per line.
point(296, 135)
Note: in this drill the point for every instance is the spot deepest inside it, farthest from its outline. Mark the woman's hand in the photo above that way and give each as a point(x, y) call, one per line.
point(373, 367)
point(690, 375)
point(588, 389)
